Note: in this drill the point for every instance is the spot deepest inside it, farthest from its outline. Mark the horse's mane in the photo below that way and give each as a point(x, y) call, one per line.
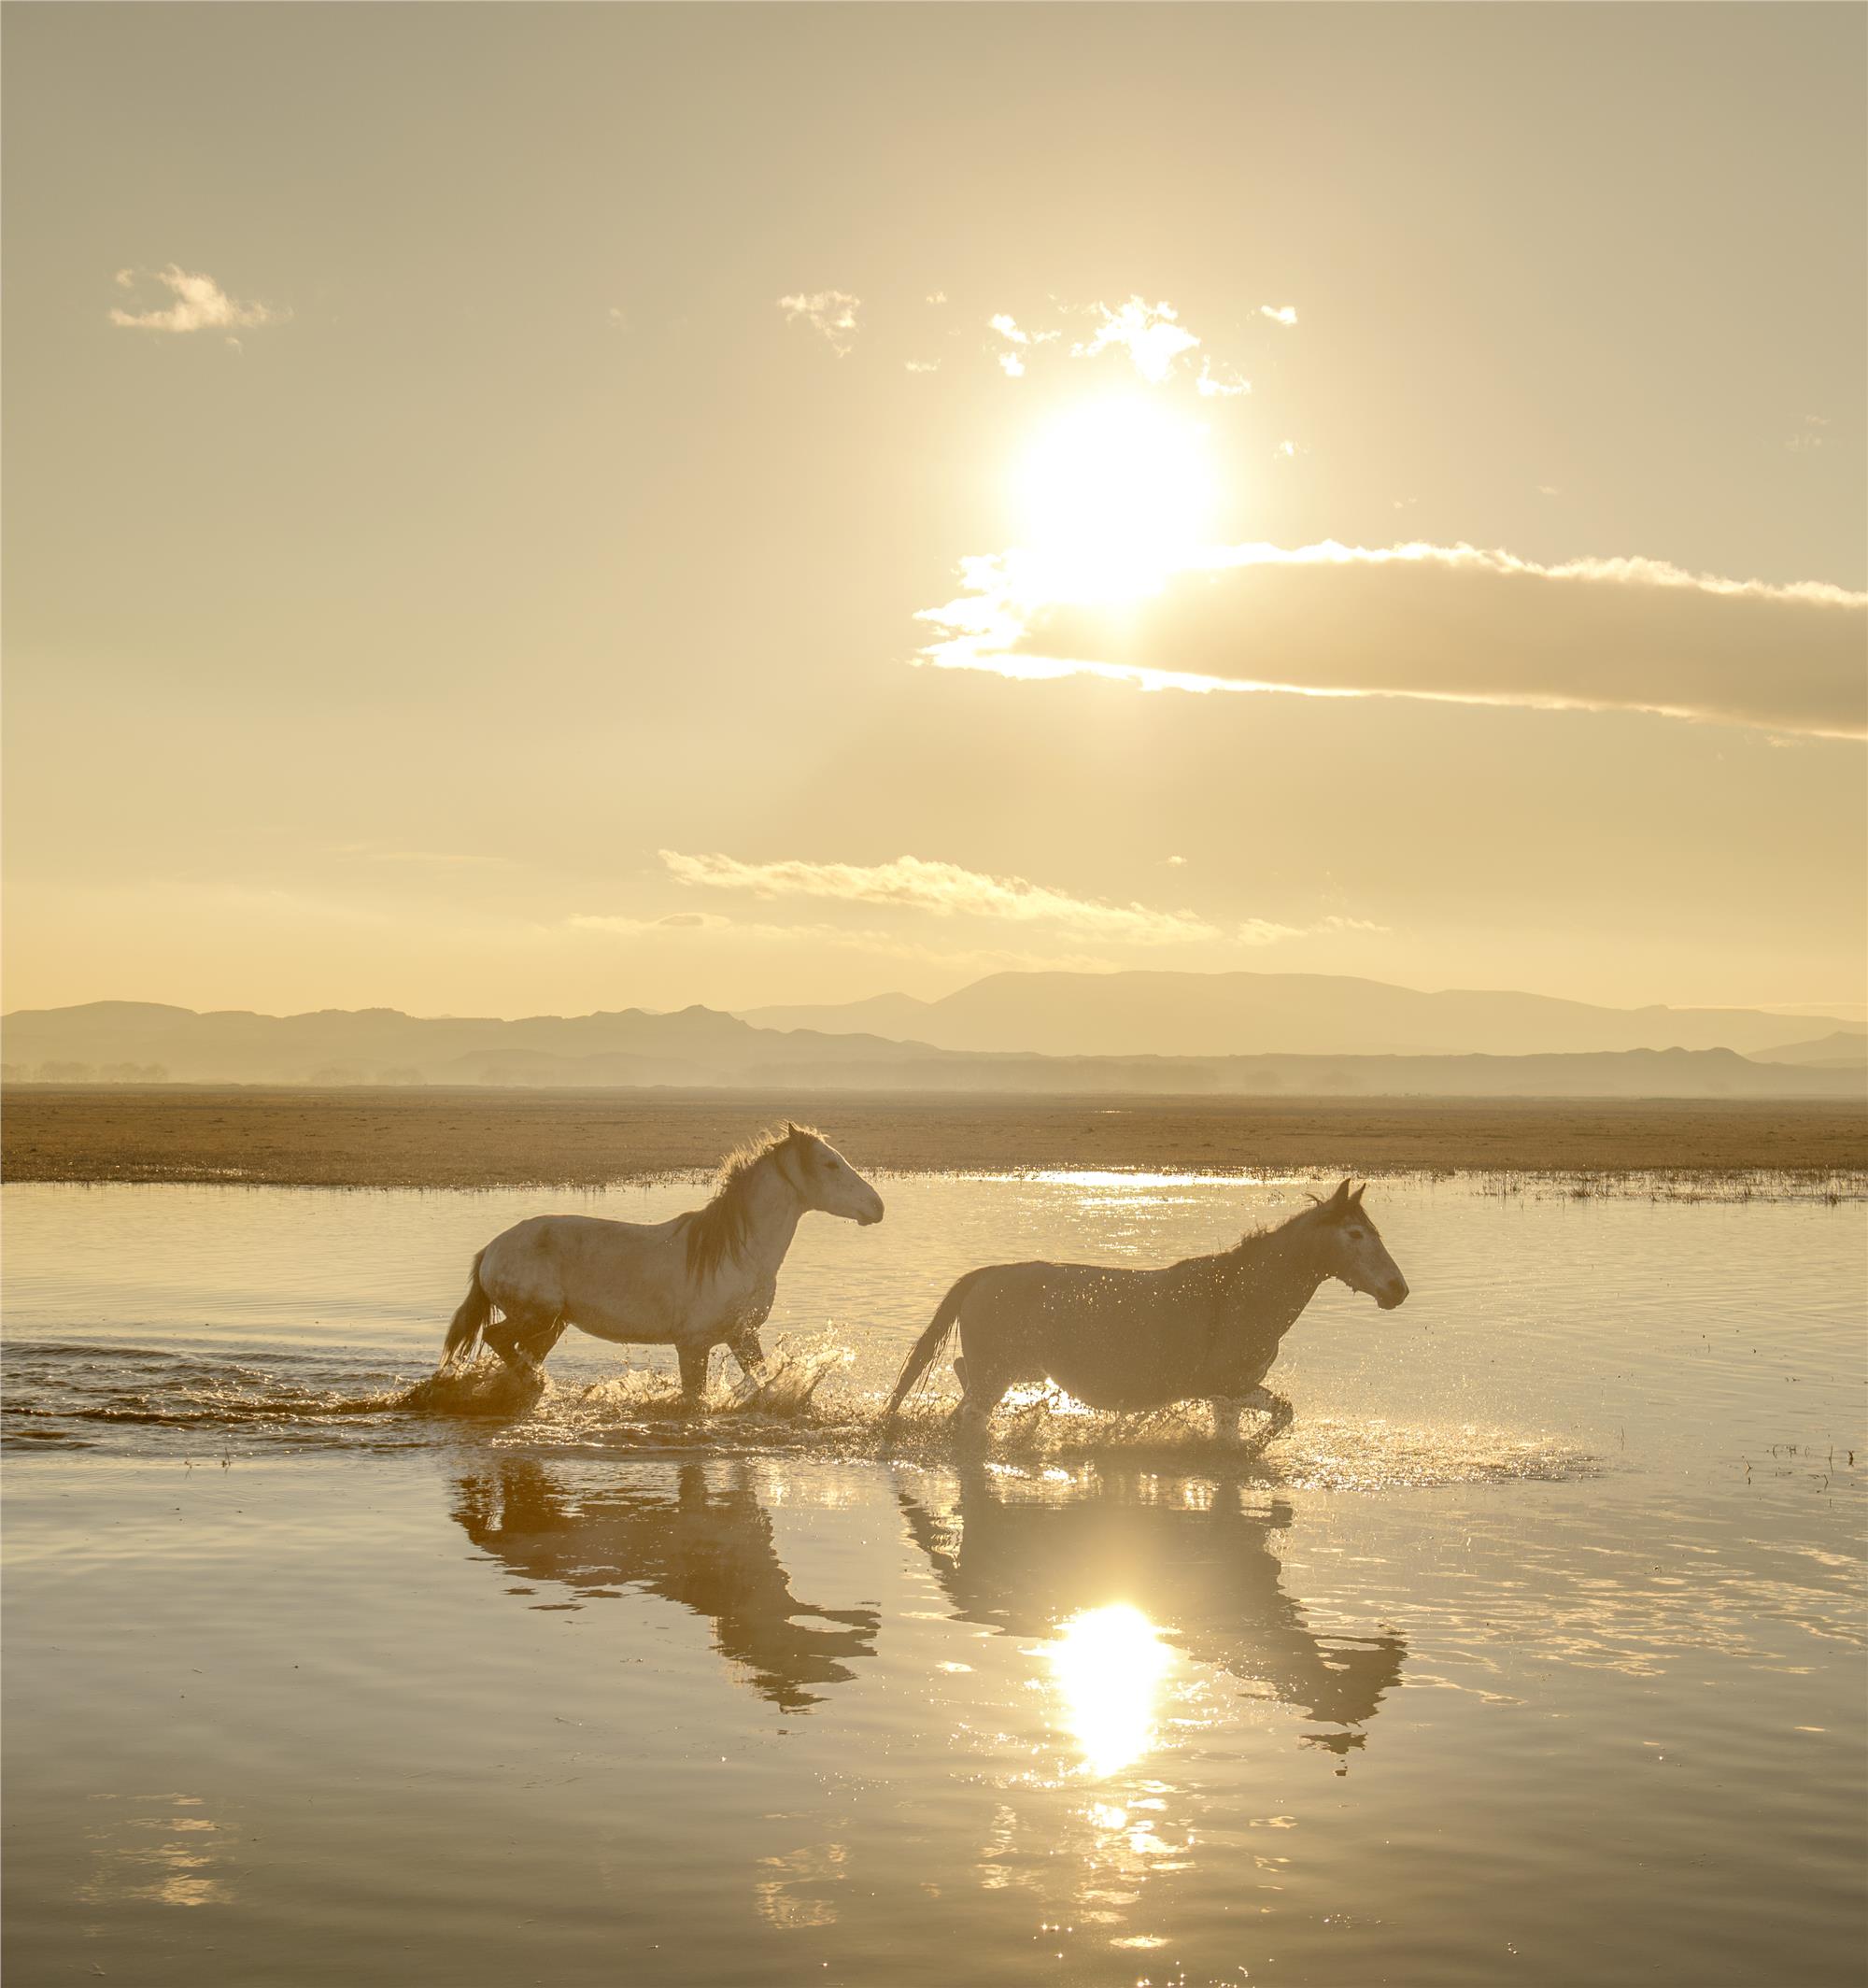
point(1320, 1212)
point(718, 1231)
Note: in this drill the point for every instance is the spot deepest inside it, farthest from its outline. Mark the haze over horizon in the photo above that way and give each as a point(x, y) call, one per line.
point(755, 509)
point(1173, 1033)
point(894, 1007)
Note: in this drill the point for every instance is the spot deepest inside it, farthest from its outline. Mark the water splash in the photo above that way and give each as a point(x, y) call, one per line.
point(487, 1387)
point(1039, 1429)
point(796, 1369)
point(806, 1402)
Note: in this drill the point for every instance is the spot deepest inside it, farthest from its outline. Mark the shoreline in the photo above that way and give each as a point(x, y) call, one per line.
point(501, 1137)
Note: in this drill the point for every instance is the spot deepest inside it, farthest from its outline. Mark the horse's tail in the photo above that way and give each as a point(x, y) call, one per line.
point(930, 1343)
point(475, 1308)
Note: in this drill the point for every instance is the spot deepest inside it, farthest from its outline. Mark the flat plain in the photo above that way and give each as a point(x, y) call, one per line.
point(489, 1138)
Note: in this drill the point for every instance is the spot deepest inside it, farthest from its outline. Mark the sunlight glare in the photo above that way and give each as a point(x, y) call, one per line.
point(1108, 1663)
point(1112, 497)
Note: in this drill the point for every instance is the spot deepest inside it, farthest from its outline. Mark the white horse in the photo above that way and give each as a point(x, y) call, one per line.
point(1207, 1329)
point(700, 1280)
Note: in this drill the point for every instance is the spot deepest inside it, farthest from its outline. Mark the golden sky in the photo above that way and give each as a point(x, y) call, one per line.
point(524, 509)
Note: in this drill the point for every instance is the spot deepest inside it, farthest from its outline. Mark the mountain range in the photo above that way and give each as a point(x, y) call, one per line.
point(1241, 1014)
point(1239, 1034)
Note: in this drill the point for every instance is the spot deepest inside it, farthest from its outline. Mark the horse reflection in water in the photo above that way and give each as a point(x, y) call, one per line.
point(1207, 1578)
point(708, 1545)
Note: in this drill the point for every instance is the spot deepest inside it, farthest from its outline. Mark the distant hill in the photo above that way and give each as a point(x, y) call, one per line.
point(1242, 1014)
point(1844, 1049)
point(134, 1042)
point(900, 1015)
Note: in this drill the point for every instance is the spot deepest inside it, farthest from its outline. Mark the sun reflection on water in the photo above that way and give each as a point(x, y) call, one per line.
point(1108, 1663)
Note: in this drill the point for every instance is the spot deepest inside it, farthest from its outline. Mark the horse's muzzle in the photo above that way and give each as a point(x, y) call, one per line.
point(869, 1217)
point(1392, 1295)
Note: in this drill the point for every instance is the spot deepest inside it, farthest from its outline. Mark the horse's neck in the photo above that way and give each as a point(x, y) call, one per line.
point(1276, 1276)
point(771, 1219)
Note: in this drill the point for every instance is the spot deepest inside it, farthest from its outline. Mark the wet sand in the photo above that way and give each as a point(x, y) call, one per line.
point(483, 1138)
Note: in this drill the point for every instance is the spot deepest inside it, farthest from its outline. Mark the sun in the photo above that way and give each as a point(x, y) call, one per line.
point(1108, 1663)
point(1111, 497)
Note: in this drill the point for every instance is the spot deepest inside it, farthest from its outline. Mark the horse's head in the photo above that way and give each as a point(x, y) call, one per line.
point(1353, 1251)
point(825, 1179)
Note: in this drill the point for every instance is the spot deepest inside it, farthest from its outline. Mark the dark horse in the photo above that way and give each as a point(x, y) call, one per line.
point(1207, 1329)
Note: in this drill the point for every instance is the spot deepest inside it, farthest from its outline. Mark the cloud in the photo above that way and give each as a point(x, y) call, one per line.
point(1152, 333)
point(619, 925)
point(922, 366)
point(945, 889)
point(1225, 386)
point(199, 305)
point(830, 312)
point(1278, 313)
point(1447, 623)
point(1013, 363)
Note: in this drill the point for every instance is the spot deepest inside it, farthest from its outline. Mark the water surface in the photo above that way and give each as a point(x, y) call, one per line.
point(1535, 1653)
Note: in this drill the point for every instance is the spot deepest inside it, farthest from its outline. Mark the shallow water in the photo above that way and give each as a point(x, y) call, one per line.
point(1535, 1651)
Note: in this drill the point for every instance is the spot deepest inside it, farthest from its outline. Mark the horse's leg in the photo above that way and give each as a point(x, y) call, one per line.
point(536, 1344)
point(692, 1360)
point(502, 1336)
point(1225, 1418)
point(522, 1338)
point(1276, 1406)
point(745, 1348)
point(981, 1390)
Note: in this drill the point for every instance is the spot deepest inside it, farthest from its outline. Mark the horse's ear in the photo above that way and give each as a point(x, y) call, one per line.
point(1355, 1199)
point(1340, 1198)
point(790, 1129)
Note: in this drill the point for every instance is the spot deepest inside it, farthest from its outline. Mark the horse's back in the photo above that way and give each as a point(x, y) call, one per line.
point(1070, 1282)
point(578, 1234)
point(557, 1262)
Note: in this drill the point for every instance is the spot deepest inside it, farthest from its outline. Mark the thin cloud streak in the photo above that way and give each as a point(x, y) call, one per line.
point(1446, 624)
point(948, 890)
point(945, 889)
